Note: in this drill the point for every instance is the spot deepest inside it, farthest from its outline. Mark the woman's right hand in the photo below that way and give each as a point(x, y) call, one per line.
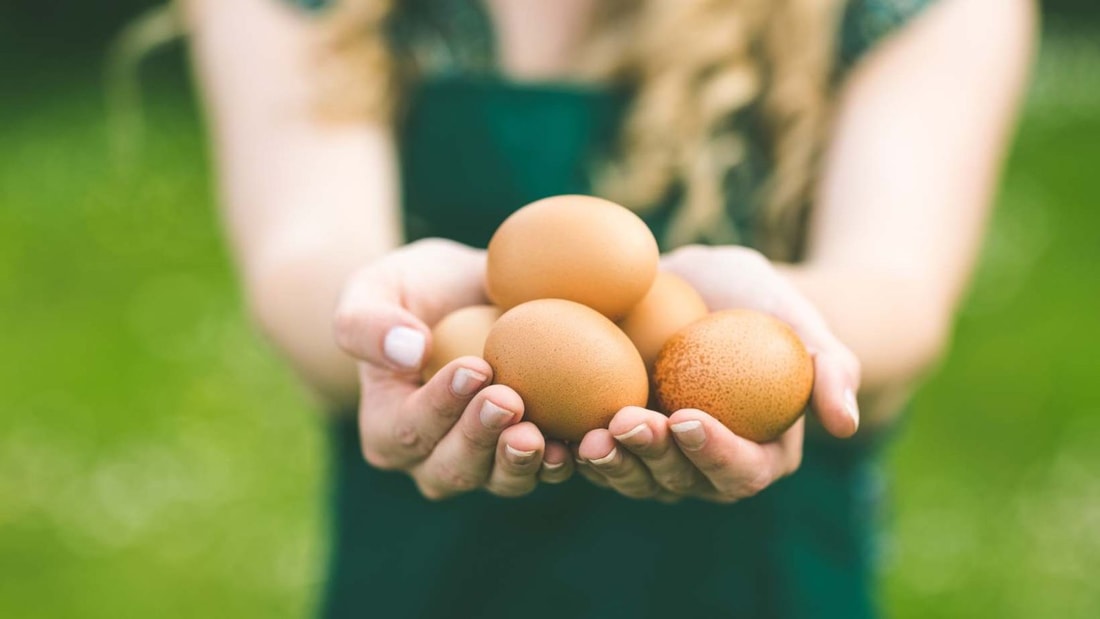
point(458, 432)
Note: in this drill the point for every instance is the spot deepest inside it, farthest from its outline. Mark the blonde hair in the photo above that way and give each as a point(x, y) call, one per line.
point(694, 66)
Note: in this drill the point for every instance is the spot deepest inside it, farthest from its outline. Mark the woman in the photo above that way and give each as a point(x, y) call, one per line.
point(855, 143)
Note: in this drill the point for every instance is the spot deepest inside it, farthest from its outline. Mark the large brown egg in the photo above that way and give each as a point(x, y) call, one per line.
point(579, 248)
point(747, 369)
point(458, 334)
point(572, 366)
point(670, 305)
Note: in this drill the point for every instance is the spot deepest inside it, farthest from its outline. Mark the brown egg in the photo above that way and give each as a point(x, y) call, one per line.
point(460, 333)
point(579, 248)
point(670, 305)
point(572, 366)
point(747, 369)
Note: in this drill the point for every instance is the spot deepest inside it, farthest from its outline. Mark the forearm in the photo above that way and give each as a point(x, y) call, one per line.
point(304, 202)
point(907, 185)
point(292, 293)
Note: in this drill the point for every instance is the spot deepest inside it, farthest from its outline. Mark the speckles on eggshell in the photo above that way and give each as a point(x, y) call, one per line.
point(747, 369)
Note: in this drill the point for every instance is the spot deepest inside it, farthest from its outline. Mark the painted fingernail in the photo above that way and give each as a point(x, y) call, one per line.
point(552, 466)
point(404, 347)
point(690, 434)
point(466, 381)
point(638, 435)
point(851, 406)
point(518, 456)
point(493, 416)
point(606, 459)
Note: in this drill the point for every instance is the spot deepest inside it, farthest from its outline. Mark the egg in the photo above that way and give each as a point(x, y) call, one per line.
point(670, 305)
point(579, 248)
point(747, 369)
point(458, 334)
point(573, 368)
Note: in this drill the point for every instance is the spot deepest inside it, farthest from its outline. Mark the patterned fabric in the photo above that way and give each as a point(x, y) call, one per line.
point(455, 36)
point(865, 22)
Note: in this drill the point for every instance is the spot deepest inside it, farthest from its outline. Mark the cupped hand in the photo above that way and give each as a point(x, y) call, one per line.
point(458, 432)
point(645, 454)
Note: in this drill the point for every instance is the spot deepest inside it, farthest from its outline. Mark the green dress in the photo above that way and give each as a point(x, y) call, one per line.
point(473, 149)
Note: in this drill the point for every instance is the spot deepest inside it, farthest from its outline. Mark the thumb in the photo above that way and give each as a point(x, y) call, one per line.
point(381, 332)
point(834, 394)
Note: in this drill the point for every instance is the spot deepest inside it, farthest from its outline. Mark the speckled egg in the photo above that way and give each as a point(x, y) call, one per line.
point(747, 369)
point(572, 366)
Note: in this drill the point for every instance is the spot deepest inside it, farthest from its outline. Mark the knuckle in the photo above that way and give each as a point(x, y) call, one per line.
point(727, 498)
point(512, 490)
point(347, 323)
point(411, 440)
point(554, 477)
point(638, 491)
point(376, 458)
point(482, 440)
point(755, 485)
point(678, 482)
point(431, 492)
point(750, 256)
point(455, 479)
point(655, 450)
point(716, 463)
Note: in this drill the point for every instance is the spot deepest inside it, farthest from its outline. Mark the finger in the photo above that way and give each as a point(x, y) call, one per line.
point(645, 434)
point(622, 469)
point(371, 325)
point(586, 470)
point(464, 457)
point(735, 466)
point(834, 394)
point(518, 460)
point(557, 463)
point(399, 436)
point(376, 319)
point(836, 368)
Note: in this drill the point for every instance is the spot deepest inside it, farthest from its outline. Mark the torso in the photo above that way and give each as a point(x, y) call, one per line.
point(476, 145)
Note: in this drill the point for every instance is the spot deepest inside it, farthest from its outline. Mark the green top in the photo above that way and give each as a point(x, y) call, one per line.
point(473, 149)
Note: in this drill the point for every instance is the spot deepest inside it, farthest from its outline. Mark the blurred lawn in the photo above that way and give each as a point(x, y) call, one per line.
point(156, 460)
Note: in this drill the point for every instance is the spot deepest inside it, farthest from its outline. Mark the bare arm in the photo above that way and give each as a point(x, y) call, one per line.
point(923, 127)
point(305, 203)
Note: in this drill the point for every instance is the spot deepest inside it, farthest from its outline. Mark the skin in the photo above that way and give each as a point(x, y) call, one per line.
point(312, 214)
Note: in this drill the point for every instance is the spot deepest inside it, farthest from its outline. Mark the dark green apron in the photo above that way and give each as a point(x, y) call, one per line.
point(472, 151)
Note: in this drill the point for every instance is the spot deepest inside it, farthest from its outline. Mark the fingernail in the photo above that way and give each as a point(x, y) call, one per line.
point(465, 381)
point(640, 433)
point(404, 347)
point(493, 416)
point(851, 406)
point(551, 466)
point(606, 459)
point(690, 434)
point(518, 456)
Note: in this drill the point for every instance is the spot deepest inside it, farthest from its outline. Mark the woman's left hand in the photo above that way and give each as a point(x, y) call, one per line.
point(644, 454)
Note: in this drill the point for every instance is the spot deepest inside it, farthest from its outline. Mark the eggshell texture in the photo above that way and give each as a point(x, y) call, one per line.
point(460, 333)
point(572, 366)
point(746, 369)
point(670, 305)
point(579, 248)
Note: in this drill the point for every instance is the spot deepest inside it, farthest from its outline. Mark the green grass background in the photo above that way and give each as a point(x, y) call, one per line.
point(157, 460)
